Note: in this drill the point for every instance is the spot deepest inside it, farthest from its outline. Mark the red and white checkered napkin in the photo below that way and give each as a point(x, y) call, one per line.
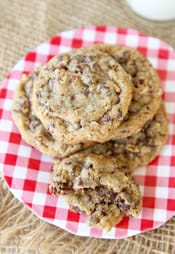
point(27, 171)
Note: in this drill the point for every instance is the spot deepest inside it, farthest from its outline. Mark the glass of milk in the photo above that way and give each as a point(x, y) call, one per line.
point(158, 10)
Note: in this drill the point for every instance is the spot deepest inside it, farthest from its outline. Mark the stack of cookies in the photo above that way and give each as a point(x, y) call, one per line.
point(103, 102)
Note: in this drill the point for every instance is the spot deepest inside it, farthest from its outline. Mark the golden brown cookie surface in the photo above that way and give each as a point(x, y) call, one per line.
point(82, 95)
point(147, 88)
point(31, 128)
point(142, 147)
point(100, 186)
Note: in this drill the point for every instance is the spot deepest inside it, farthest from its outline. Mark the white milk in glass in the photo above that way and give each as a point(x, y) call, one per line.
point(154, 9)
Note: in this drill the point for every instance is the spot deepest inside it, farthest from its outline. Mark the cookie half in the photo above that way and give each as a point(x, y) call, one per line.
point(30, 127)
point(102, 187)
point(141, 148)
point(82, 95)
point(147, 89)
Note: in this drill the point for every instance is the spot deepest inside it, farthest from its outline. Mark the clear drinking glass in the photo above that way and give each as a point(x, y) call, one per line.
point(155, 10)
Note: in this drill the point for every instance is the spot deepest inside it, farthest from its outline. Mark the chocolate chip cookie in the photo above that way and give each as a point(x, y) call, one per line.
point(82, 95)
point(102, 187)
point(147, 88)
point(140, 148)
point(31, 128)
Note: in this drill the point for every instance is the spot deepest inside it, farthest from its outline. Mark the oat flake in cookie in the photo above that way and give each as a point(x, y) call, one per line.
point(82, 95)
point(102, 187)
point(141, 148)
point(147, 88)
point(31, 128)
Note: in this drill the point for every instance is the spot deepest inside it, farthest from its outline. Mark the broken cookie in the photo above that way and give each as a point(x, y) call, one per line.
point(102, 187)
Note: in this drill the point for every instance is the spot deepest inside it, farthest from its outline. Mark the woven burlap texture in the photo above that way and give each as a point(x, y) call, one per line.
point(25, 24)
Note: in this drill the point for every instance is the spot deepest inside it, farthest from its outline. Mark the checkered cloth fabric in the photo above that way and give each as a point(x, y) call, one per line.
point(27, 171)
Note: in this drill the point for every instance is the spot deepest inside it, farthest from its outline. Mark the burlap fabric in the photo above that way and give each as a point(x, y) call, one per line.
point(25, 24)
